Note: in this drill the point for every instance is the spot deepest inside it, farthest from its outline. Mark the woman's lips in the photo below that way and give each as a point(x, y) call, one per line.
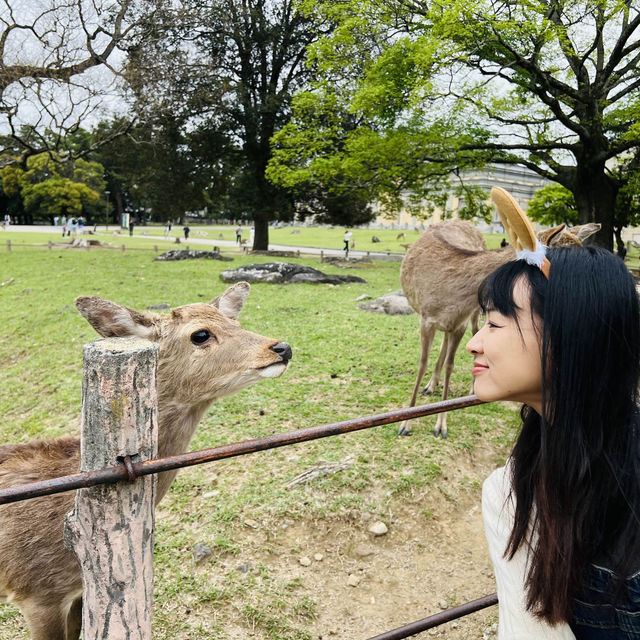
point(478, 368)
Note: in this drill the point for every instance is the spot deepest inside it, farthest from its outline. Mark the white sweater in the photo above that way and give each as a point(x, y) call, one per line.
point(515, 622)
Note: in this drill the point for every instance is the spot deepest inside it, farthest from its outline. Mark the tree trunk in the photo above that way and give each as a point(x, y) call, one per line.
point(261, 237)
point(595, 195)
point(264, 206)
point(620, 246)
point(117, 198)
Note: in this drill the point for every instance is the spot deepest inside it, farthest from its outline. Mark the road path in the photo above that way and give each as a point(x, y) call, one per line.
point(149, 233)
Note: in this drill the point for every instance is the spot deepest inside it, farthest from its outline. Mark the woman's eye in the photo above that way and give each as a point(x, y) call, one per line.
point(200, 337)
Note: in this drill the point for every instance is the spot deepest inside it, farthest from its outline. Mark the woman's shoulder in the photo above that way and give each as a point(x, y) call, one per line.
point(498, 483)
point(496, 493)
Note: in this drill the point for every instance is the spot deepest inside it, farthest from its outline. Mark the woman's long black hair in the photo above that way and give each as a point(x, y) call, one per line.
point(576, 467)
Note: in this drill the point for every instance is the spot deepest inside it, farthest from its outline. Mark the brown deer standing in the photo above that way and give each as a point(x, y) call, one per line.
point(440, 276)
point(203, 354)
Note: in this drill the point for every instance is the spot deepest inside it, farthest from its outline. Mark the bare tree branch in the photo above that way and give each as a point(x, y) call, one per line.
point(59, 62)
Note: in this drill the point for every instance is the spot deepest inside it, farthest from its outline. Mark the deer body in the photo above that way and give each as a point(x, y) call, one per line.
point(440, 276)
point(203, 354)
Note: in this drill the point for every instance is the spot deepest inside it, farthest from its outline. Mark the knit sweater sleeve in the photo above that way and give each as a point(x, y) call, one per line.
point(515, 622)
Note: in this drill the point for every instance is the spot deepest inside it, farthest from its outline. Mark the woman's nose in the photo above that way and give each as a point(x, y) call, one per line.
point(474, 345)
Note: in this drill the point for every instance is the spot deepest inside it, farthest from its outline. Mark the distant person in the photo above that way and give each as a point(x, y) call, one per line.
point(7, 221)
point(252, 233)
point(131, 226)
point(167, 229)
point(55, 221)
point(503, 243)
point(347, 238)
point(186, 232)
point(239, 235)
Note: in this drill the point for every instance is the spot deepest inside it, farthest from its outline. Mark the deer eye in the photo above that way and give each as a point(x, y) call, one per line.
point(200, 337)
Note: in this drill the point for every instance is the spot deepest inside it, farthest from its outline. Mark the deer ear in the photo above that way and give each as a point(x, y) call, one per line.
point(584, 231)
point(552, 235)
point(113, 320)
point(230, 303)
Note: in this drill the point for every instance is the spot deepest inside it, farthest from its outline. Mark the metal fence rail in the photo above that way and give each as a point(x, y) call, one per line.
point(129, 470)
point(439, 618)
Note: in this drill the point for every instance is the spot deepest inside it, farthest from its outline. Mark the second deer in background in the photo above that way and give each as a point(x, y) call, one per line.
point(440, 276)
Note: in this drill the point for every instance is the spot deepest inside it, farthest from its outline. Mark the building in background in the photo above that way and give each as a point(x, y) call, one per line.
point(520, 182)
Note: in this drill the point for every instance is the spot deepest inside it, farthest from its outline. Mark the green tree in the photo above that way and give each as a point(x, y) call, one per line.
point(443, 85)
point(627, 210)
point(553, 204)
point(225, 72)
point(151, 169)
point(50, 187)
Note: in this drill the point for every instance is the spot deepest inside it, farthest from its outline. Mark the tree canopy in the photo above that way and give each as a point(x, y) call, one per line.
point(439, 86)
point(224, 72)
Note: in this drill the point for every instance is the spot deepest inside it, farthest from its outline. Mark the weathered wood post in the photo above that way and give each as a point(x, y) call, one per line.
point(111, 527)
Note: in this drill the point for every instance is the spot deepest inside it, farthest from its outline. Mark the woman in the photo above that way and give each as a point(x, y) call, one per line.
point(563, 517)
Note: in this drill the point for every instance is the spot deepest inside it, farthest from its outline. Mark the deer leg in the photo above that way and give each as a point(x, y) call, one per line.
point(45, 619)
point(427, 332)
point(435, 377)
point(475, 327)
point(455, 337)
point(74, 620)
point(475, 321)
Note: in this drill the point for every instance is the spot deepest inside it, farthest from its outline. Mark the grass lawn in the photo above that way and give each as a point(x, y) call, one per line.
point(346, 363)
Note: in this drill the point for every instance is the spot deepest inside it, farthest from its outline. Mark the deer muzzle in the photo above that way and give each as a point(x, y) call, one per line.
point(283, 350)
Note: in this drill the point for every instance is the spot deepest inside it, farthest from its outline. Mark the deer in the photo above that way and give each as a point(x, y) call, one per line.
point(440, 276)
point(203, 355)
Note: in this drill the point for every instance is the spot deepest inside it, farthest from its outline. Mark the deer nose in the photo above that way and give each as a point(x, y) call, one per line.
point(283, 350)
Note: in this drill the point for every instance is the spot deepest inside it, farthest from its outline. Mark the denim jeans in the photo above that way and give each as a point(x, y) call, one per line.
point(604, 609)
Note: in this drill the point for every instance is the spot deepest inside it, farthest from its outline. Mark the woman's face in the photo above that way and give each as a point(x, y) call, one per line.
point(507, 363)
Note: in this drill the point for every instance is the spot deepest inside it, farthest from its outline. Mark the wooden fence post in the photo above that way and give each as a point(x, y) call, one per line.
point(111, 527)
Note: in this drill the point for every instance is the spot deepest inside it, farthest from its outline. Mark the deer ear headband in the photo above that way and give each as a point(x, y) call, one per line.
point(520, 231)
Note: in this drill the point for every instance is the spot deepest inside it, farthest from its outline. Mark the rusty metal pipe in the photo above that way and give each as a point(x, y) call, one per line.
point(439, 618)
point(125, 472)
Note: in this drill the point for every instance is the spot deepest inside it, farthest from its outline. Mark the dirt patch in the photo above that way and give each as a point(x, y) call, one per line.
point(433, 557)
